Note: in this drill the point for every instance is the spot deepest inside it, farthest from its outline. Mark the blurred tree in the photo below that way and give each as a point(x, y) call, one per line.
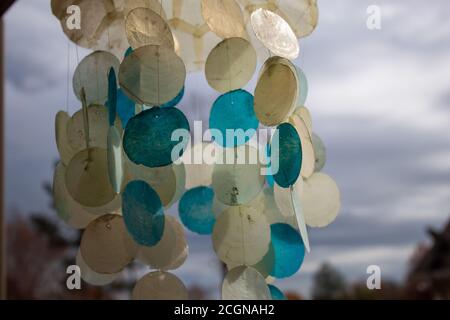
point(328, 283)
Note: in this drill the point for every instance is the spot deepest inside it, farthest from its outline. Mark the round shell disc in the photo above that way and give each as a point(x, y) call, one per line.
point(224, 18)
point(244, 283)
point(143, 213)
point(159, 285)
point(237, 177)
point(320, 200)
point(230, 65)
point(308, 159)
point(275, 33)
point(233, 113)
point(148, 137)
point(144, 27)
point(92, 75)
point(288, 155)
point(171, 252)
point(320, 153)
point(276, 92)
point(68, 209)
point(196, 210)
point(288, 248)
point(87, 178)
point(106, 246)
point(62, 142)
point(115, 159)
point(199, 162)
point(241, 236)
point(154, 5)
point(302, 15)
point(152, 75)
point(92, 277)
point(98, 128)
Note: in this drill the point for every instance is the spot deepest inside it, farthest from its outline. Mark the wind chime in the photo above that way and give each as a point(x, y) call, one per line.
point(119, 174)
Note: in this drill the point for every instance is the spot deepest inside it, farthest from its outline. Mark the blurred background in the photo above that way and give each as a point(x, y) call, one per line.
point(380, 100)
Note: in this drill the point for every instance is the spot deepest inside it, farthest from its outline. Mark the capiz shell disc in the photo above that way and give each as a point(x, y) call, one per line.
point(74, 214)
point(143, 213)
point(92, 277)
point(275, 33)
point(244, 283)
point(152, 75)
point(241, 236)
point(92, 75)
point(276, 92)
point(320, 200)
point(159, 285)
point(106, 246)
point(237, 177)
point(148, 137)
point(87, 178)
point(288, 155)
point(224, 18)
point(144, 26)
point(230, 65)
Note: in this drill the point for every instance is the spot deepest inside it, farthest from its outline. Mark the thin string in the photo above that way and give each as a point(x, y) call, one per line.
point(76, 51)
point(68, 76)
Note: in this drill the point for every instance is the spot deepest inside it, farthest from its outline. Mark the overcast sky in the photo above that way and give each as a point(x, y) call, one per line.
point(380, 100)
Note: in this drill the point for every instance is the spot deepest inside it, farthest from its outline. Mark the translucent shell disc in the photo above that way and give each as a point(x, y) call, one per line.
point(320, 200)
point(159, 285)
point(152, 75)
point(244, 283)
point(275, 33)
point(241, 236)
point(143, 213)
point(74, 214)
point(106, 246)
point(92, 75)
point(237, 177)
point(98, 128)
point(276, 92)
point(145, 26)
point(230, 65)
point(148, 137)
point(87, 178)
point(224, 18)
point(196, 210)
point(92, 277)
point(287, 154)
point(233, 113)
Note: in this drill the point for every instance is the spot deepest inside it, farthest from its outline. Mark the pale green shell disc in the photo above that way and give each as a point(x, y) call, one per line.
point(115, 159)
